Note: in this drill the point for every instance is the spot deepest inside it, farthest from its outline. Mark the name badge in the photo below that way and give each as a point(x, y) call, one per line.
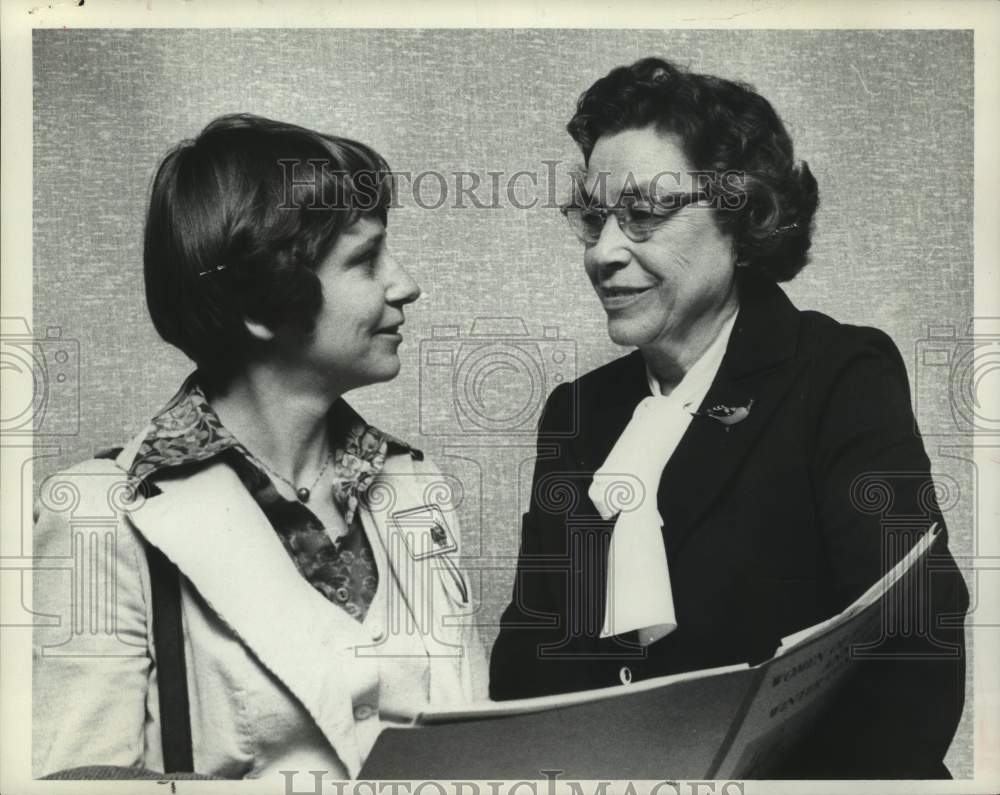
point(425, 531)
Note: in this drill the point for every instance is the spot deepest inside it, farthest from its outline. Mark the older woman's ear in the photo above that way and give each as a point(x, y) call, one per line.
point(259, 331)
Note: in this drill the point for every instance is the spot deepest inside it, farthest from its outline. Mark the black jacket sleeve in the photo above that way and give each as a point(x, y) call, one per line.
point(533, 622)
point(874, 497)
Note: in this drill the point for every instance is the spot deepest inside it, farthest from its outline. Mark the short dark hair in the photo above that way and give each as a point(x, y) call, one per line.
point(239, 219)
point(723, 127)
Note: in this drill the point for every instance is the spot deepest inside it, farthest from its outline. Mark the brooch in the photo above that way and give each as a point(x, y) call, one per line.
point(727, 415)
point(424, 531)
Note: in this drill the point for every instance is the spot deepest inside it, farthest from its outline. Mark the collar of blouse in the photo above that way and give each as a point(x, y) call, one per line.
point(187, 431)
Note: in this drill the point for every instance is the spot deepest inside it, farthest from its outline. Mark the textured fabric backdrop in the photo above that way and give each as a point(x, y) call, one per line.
point(884, 119)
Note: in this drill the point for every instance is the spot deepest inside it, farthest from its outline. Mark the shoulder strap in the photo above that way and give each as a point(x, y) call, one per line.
point(171, 672)
point(171, 676)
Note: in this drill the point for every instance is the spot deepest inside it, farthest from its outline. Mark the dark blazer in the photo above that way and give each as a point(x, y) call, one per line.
point(771, 525)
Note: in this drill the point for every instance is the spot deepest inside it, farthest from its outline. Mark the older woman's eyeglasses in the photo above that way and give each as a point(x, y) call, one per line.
point(637, 220)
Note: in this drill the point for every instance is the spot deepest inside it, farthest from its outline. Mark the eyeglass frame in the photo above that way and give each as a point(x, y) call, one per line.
point(622, 214)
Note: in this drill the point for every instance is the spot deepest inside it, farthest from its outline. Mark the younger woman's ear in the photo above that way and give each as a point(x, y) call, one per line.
point(258, 330)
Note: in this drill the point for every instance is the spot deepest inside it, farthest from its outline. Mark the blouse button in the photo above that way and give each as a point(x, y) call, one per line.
point(625, 674)
point(377, 632)
point(363, 712)
point(341, 594)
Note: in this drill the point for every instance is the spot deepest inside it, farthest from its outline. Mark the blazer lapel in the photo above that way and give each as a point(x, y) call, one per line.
point(221, 541)
point(759, 365)
point(606, 406)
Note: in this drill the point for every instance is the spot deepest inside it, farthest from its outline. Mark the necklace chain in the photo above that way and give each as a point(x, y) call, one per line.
point(301, 492)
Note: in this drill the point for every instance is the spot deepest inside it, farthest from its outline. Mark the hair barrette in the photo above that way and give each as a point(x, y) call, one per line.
point(216, 269)
point(786, 228)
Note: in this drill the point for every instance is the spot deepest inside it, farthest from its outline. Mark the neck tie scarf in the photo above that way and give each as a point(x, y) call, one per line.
point(638, 595)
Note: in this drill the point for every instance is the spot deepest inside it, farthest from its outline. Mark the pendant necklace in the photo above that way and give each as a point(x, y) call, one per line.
point(301, 492)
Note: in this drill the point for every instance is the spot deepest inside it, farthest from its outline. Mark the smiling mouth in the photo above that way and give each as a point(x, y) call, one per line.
point(390, 330)
point(620, 297)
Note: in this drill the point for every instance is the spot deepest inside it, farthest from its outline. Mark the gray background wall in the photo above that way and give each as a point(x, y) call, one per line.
point(884, 119)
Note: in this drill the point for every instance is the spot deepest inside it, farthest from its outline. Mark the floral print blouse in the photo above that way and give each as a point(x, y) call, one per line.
point(187, 433)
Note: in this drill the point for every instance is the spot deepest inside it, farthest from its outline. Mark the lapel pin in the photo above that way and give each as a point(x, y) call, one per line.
point(439, 535)
point(425, 531)
point(727, 415)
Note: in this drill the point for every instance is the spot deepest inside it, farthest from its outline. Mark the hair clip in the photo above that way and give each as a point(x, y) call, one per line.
point(216, 269)
point(785, 228)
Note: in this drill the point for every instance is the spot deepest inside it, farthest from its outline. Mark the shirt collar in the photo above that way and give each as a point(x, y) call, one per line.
point(187, 431)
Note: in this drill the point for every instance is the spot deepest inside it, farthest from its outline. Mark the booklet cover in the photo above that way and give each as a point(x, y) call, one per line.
point(730, 722)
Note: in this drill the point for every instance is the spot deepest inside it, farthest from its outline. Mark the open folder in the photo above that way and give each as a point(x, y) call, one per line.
point(731, 722)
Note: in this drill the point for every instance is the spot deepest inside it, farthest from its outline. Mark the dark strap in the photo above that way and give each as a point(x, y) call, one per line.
point(171, 677)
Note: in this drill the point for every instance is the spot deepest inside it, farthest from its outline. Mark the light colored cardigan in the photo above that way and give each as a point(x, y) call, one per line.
point(278, 677)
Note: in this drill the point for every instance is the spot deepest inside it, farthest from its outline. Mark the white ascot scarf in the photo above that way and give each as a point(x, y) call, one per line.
point(638, 595)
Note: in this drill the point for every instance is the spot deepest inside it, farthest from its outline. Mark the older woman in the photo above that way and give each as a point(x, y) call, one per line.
point(313, 550)
point(741, 428)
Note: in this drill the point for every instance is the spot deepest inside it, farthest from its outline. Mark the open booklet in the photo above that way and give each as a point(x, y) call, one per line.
point(731, 722)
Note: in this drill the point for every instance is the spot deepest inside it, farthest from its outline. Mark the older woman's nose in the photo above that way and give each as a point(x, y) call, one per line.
point(611, 249)
point(401, 287)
